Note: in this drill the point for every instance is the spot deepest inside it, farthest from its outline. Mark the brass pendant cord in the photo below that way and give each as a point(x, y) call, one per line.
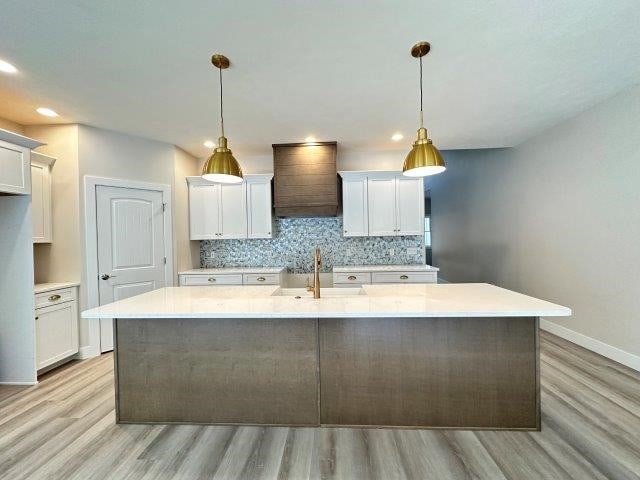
point(221, 114)
point(421, 113)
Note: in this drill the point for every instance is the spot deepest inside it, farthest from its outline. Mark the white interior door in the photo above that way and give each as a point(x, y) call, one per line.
point(131, 247)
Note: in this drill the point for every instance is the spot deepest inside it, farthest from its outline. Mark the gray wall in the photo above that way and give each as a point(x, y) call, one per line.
point(557, 217)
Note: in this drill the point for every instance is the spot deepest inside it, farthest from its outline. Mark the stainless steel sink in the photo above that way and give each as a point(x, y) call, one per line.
point(324, 292)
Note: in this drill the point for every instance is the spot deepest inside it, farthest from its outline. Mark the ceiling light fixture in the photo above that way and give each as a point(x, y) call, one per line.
point(396, 137)
point(209, 144)
point(424, 159)
point(221, 166)
point(6, 67)
point(47, 112)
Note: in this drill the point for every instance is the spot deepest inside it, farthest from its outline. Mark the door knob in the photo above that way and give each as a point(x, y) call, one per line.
point(106, 276)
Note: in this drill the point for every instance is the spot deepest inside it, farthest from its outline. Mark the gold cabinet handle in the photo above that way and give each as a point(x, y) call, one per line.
point(54, 298)
point(351, 277)
point(211, 279)
point(261, 279)
point(403, 277)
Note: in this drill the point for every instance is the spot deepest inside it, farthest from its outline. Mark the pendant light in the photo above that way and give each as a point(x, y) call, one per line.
point(424, 159)
point(221, 167)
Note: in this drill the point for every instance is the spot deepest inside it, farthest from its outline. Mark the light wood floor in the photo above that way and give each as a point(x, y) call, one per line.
point(63, 428)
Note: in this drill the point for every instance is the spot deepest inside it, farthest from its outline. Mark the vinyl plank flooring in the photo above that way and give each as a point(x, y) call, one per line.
point(64, 428)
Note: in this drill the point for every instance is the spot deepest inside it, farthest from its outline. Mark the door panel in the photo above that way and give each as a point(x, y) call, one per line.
point(260, 219)
point(382, 206)
point(204, 211)
point(354, 208)
point(410, 206)
point(131, 247)
point(233, 210)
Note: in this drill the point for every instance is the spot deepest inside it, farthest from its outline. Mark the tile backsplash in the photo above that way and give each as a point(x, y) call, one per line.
point(295, 240)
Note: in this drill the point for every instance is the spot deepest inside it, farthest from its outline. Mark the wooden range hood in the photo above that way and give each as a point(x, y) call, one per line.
point(305, 179)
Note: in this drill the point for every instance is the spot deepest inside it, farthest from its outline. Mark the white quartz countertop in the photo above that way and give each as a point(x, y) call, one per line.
point(384, 268)
point(415, 300)
point(47, 287)
point(231, 270)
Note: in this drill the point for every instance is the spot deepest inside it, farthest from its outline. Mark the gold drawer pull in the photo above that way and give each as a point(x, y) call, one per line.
point(351, 277)
point(261, 279)
point(211, 279)
point(403, 277)
point(54, 298)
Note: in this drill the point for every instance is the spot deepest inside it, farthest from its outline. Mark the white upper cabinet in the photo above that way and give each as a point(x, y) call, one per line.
point(233, 211)
point(230, 211)
point(14, 169)
point(259, 211)
point(204, 210)
point(41, 196)
point(355, 217)
point(409, 206)
point(382, 204)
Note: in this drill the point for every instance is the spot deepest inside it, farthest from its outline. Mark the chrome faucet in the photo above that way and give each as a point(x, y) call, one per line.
point(316, 273)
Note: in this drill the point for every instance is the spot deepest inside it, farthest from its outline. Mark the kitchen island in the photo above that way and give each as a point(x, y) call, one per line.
point(423, 355)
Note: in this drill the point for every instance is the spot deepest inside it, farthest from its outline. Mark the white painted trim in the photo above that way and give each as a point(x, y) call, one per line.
point(625, 358)
point(249, 177)
point(91, 244)
point(28, 384)
point(88, 351)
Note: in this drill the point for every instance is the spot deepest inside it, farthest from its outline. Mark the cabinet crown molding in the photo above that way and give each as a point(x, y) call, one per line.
point(248, 178)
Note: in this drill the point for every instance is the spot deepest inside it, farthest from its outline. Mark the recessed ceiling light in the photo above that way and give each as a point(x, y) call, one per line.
point(310, 139)
point(47, 112)
point(209, 144)
point(6, 67)
point(396, 137)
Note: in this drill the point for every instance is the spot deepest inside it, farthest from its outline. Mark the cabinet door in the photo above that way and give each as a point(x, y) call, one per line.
point(355, 215)
point(381, 197)
point(260, 220)
point(204, 211)
point(56, 333)
point(15, 171)
point(233, 210)
point(410, 206)
point(41, 203)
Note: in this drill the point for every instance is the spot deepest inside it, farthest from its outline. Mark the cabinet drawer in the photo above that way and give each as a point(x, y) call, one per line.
point(404, 277)
point(352, 278)
point(54, 297)
point(261, 279)
point(212, 280)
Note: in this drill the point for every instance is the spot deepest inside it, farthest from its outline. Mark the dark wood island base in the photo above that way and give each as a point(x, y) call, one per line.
point(446, 372)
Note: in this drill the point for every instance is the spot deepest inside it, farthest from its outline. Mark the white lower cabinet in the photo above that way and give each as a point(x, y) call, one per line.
point(56, 318)
point(358, 278)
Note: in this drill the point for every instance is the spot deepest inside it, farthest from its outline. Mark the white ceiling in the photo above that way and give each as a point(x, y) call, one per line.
point(498, 73)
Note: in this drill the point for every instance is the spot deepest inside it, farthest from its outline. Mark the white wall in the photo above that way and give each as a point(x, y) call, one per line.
point(17, 324)
point(557, 217)
point(59, 261)
point(186, 252)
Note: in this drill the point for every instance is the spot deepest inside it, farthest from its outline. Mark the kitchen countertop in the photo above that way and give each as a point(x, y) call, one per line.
point(232, 270)
point(47, 287)
point(384, 268)
point(414, 300)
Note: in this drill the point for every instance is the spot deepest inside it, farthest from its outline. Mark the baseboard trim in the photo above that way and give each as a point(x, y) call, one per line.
point(88, 351)
point(625, 358)
point(26, 384)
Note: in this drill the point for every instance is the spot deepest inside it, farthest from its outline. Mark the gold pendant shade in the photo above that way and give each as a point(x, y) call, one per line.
point(221, 166)
point(424, 159)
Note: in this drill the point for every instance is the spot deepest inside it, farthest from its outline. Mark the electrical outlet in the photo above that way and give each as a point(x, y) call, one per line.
point(392, 252)
point(412, 251)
